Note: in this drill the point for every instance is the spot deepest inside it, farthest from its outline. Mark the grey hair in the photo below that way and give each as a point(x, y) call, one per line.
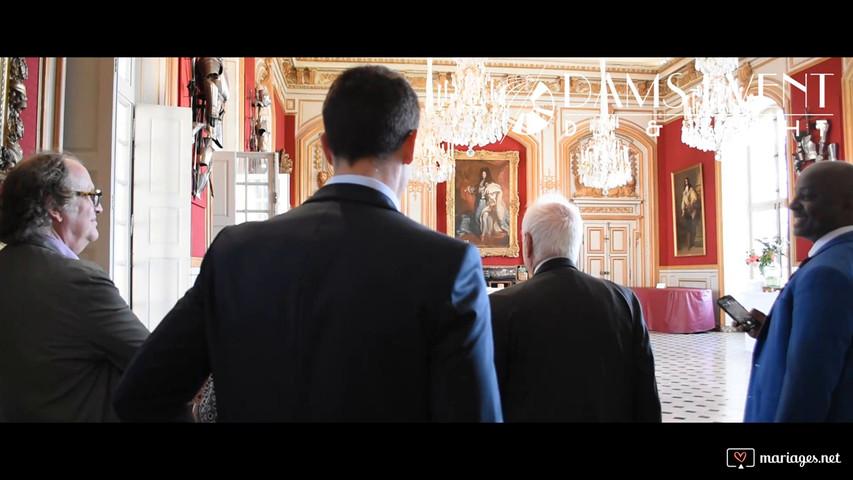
point(32, 188)
point(556, 226)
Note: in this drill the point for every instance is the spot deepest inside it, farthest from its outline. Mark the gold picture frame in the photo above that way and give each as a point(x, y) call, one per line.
point(688, 212)
point(482, 201)
point(13, 99)
point(4, 87)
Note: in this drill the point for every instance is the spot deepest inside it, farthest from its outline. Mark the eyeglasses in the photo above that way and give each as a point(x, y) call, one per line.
point(95, 195)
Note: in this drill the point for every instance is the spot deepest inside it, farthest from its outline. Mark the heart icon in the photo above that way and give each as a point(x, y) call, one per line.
point(740, 456)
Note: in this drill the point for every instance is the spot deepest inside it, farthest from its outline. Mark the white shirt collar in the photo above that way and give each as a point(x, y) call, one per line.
point(827, 237)
point(543, 262)
point(60, 246)
point(367, 182)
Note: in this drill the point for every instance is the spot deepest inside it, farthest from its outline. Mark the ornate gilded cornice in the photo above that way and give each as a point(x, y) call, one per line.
point(606, 209)
point(581, 82)
point(522, 76)
point(493, 63)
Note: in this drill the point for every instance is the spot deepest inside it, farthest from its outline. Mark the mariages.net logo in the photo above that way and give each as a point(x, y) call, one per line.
point(742, 458)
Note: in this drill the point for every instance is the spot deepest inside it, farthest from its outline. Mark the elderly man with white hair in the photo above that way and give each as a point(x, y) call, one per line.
point(569, 347)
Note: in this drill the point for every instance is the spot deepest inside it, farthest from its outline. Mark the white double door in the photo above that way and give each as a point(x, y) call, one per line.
point(608, 250)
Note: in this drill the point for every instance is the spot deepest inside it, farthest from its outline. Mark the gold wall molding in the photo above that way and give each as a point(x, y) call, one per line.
point(548, 184)
point(847, 106)
point(532, 165)
point(588, 209)
point(536, 64)
point(719, 206)
point(793, 66)
point(285, 163)
point(52, 102)
point(307, 137)
point(711, 267)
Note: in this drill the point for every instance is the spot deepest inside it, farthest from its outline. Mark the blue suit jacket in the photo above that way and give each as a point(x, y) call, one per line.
point(803, 361)
point(340, 310)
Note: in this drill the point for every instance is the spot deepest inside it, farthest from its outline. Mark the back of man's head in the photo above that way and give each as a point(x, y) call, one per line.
point(556, 227)
point(33, 187)
point(368, 112)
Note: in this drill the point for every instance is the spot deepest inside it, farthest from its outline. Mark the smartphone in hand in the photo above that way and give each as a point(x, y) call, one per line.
point(737, 311)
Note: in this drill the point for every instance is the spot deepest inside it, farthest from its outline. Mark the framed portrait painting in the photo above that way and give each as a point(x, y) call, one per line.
point(482, 201)
point(688, 212)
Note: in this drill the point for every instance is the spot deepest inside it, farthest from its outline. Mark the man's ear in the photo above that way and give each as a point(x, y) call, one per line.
point(408, 148)
point(54, 213)
point(327, 152)
point(527, 241)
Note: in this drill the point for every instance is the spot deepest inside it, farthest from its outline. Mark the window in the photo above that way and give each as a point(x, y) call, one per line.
point(253, 192)
point(754, 198)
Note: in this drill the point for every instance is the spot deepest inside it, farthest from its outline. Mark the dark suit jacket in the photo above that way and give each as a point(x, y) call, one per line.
point(340, 310)
point(570, 347)
point(66, 336)
point(803, 358)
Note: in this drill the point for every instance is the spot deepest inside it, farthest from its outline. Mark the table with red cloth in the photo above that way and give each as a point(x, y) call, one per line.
point(677, 310)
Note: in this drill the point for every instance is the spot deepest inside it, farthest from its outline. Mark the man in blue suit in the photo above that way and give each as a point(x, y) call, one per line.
point(803, 360)
point(340, 310)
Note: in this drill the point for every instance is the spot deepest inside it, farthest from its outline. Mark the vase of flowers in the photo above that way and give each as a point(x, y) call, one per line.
point(767, 261)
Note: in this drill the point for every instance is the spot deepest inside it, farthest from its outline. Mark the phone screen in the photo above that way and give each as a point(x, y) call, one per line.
point(737, 311)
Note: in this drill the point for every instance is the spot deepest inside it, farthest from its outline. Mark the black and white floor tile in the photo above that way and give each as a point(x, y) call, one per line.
point(702, 377)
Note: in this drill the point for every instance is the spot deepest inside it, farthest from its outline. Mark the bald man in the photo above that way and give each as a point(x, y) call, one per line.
point(803, 361)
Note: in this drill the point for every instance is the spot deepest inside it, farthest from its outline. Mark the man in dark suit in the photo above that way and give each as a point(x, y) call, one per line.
point(803, 358)
point(66, 334)
point(340, 310)
point(569, 347)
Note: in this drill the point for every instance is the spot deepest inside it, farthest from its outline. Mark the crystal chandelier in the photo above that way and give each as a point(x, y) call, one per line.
point(475, 112)
point(433, 162)
point(716, 109)
point(604, 161)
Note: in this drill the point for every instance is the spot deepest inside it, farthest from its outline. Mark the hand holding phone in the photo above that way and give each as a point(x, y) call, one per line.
point(738, 312)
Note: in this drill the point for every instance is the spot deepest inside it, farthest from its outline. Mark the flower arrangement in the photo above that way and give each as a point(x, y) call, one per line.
point(770, 249)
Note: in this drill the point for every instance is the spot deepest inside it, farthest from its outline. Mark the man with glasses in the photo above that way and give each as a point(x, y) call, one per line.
point(66, 334)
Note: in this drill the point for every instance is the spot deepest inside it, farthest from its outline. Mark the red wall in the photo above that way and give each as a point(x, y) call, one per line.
point(285, 138)
point(508, 144)
point(248, 94)
point(674, 155)
point(198, 208)
point(832, 111)
point(279, 122)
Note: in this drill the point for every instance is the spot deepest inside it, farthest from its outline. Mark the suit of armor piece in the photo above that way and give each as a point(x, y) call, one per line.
point(210, 93)
point(213, 90)
point(260, 138)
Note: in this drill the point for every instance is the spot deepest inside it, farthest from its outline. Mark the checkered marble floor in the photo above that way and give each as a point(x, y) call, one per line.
point(702, 377)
